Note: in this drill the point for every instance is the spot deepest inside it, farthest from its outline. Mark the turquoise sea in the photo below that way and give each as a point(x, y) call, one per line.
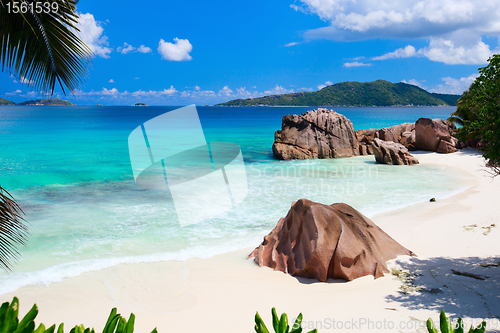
point(69, 168)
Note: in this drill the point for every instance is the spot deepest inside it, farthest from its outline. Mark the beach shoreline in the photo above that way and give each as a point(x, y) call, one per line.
point(222, 293)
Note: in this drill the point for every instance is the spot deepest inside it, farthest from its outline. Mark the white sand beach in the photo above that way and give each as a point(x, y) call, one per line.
point(221, 294)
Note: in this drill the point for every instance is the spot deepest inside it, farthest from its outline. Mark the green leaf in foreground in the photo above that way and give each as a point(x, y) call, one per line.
point(447, 327)
point(281, 325)
point(9, 322)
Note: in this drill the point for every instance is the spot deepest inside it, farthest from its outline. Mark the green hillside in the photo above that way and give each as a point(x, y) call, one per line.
point(48, 101)
point(450, 99)
point(6, 102)
point(376, 93)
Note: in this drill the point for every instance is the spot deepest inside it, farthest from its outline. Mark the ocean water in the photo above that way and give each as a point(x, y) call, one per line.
point(69, 168)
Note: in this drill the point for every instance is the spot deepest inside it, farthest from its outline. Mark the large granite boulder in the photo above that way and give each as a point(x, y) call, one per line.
point(317, 133)
point(402, 133)
point(389, 152)
point(408, 140)
point(435, 135)
point(319, 242)
point(395, 133)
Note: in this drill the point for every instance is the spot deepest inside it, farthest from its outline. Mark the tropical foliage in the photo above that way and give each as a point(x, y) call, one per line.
point(9, 322)
point(447, 326)
point(280, 325)
point(478, 113)
point(376, 93)
point(40, 45)
point(13, 230)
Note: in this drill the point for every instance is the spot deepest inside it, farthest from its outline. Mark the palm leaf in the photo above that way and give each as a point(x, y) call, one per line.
point(43, 49)
point(12, 229)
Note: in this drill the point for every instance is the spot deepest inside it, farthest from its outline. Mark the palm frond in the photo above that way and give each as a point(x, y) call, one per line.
point(43, 48)
point(455, 119)
point(13, 231)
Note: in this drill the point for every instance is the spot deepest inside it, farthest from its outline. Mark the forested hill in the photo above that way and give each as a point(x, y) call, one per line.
point(376, 93)
point(48, 101)
point(6, 102)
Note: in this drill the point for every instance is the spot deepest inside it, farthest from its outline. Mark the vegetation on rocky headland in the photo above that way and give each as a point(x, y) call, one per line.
point(376, 93)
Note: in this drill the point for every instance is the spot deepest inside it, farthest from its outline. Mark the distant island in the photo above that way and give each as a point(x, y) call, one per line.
point(6, 102)
point(140, 104)
point(376, 93)
point(48, 101)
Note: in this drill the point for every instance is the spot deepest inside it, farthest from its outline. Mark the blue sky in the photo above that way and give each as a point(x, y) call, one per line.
point(203, 52)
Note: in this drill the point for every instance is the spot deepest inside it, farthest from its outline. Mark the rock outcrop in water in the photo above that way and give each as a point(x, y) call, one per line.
point(317, 133)
point(392, 153)
point(402, 133)
point(324, 133)
point(319, 242)
point(436, 135)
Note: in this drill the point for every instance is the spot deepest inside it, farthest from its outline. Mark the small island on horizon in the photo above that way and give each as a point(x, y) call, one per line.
point(352, 93)
point(48, 102)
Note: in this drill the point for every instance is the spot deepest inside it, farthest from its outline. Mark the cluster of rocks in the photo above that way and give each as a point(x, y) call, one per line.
point(315, 134)
point(324, 133)
point(403, 134)
point(319, 241)
point(389, 152)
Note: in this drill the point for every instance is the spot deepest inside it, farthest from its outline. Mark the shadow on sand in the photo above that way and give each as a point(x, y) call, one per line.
point(466, 287)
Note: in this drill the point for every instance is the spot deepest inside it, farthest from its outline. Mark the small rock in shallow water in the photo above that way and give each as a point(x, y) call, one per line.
point(433, 200)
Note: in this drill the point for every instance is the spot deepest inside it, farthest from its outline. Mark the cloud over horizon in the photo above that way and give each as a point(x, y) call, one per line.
point(455, 28)
point(356, 64)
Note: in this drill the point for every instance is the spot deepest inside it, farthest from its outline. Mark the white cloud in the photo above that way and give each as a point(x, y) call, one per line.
point(415, 83)
point(356, 64)
point(291, 44)
point(326, 84)
point(178, 51)
point(455, 86)
point(225, 91)
point(136, 78)
point(116, 93)
point(31, 94)
point(22, 79)
point(14, 93)
point(456, 49)
point(125, 49)
point(278, 90)
point(172, 95)
point(91, 34)
point(407, 52)
point(454, 28)
point(111, 81)
point(104, 91)
point(113, 92)
point(165, 92)
point(144, 49)
point(169, 91)
point(198, 94)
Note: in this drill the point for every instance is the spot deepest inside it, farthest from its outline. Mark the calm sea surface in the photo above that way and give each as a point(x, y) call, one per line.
point(70, 170)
